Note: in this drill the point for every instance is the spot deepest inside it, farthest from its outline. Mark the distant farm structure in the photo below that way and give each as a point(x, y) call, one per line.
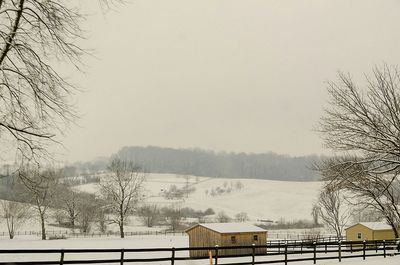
point(226, 235)
point(370, 231)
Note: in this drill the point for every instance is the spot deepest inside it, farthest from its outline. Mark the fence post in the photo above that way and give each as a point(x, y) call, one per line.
point(173, 256)
point(216, 255)
point(364, 250)
point(340, 251)
point(326, 247)
point(253, 253)
point(122, 256)
point(384, 248)
point(315, 252)
point(286, 254)
point(301, 247)
point(62, 257)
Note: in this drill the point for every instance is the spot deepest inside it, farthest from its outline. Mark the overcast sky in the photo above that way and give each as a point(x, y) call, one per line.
point(223, 74)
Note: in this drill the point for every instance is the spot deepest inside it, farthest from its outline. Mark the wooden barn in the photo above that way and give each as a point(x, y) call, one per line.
point(223, 235)
point(369, 231)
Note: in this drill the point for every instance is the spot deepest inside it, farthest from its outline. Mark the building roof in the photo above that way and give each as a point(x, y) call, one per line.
point(374, 225)
point(230, 227)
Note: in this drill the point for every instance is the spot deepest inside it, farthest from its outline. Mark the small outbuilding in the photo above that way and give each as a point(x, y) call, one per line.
point(224, 235)
point(369, 231)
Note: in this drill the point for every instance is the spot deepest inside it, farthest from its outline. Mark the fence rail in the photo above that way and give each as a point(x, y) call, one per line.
point(275, 252)
point(68, 233)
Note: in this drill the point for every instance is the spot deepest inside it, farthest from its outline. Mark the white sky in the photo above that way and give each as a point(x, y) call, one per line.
point(223, 74)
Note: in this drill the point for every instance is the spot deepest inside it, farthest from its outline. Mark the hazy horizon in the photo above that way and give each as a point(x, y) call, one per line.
point(241, 76)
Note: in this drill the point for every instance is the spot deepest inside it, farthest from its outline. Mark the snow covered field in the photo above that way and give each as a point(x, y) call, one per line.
point(260, 199)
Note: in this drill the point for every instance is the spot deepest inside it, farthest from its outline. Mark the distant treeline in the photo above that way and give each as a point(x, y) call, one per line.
point(200, 162)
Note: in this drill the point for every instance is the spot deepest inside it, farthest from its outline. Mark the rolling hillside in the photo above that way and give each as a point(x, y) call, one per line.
point(260, 199)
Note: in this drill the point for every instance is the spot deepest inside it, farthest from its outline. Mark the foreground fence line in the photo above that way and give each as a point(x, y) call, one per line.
point(288, 252)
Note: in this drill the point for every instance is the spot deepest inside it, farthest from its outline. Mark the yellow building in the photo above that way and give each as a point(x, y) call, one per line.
point(369, 231)
point(226, 234)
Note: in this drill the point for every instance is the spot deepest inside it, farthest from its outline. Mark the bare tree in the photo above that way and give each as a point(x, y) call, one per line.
point(173, 216)
point(379, 192)
point(41, 190)
point(101, 219)
point(122, 190)
point(67, 201)
point(174, 192)
point(35, 98)
point(239, 185)
point(364, 213)
point(88, 211)
point(362, 125)
point(149, 214)
point(241, 217)
point(76, 207)
point(222, 217)
point(15, 215)
point(315, 213)
point(332, 210)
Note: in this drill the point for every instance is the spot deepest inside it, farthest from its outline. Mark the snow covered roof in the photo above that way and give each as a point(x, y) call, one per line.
point(374, 225)
point(230, 227)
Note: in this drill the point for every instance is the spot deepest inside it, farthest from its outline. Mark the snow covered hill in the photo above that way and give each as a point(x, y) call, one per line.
point(260, 199)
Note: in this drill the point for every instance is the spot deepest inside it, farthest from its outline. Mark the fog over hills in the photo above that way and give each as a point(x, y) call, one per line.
point(201, 162)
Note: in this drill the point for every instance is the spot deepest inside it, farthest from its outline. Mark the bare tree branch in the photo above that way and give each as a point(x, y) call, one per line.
point(331, 209)
point(35, 99)
point(122, 190)
point(363, 126)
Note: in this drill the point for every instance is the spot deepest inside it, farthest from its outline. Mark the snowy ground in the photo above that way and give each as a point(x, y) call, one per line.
point(143, 242)
point(260, 199)
point(358, 261)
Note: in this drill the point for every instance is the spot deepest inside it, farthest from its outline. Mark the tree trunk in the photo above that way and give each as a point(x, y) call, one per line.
point(393, 225)
point(11, 233)
point(121, 230)
point(121, 224)
point(10, 227)
point(43, 227)
point(338, 233)
point(396, 233)
point(72, 218)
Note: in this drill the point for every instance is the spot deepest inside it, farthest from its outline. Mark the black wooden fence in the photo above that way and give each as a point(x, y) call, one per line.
point(275, 252)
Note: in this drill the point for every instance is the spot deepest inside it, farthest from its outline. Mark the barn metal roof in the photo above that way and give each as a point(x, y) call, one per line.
point(374, 225)
point(231, 227)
